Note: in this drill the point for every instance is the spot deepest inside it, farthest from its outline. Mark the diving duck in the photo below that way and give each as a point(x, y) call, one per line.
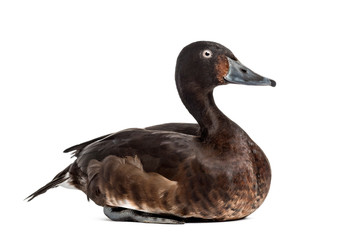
point(178, 172)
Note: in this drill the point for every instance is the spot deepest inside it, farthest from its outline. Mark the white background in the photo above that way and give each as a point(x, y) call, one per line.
point(74, 70)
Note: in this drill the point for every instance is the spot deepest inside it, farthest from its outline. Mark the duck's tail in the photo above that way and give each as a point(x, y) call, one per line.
point(59, 179)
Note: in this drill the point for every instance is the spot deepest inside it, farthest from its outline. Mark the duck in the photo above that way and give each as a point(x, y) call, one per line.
point(178, 172)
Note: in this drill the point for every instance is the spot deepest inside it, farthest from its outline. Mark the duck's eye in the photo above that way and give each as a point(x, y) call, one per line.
point(207, 53)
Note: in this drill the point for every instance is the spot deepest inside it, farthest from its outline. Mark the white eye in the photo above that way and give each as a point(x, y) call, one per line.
point(207, 53)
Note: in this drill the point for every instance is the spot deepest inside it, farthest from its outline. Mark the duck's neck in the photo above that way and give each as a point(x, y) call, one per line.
point(213, 123)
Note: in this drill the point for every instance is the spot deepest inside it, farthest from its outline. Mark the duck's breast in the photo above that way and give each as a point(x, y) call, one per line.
point(228, 185)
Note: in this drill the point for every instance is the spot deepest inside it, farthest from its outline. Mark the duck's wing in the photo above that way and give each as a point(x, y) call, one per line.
point(158, 151)
point(134, 167)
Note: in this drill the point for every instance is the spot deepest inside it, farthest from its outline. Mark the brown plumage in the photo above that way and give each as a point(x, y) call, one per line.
point(210, 171)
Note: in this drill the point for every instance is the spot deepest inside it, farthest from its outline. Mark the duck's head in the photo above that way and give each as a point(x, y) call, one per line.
point(203, 65)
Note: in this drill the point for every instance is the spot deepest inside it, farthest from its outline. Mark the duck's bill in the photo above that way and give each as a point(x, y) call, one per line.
point(239, 74)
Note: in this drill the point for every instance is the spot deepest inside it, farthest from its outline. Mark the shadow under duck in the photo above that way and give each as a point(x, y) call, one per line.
point(178, 172)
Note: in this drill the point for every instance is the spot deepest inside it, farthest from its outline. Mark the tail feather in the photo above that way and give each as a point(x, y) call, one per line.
point(58, 179)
